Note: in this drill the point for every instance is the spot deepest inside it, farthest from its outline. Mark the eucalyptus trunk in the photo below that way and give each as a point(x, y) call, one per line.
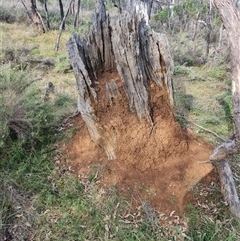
point(230, 16)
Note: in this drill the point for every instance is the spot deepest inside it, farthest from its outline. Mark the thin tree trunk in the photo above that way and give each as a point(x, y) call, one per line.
point(220, 37)
point(61, 27)
point(61, 13)
point(29, 15)
point(209, 29)
point(46, 14)
point(230, 16)
point(72, 8)
point(76, 20)
point(149, 7)
point(37, 19)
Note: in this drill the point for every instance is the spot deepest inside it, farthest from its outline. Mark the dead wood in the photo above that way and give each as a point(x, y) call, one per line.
point(201, 127)
point(230, 16)
point(124, 44)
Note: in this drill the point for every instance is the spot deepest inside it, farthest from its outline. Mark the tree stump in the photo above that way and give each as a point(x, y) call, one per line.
point(126, 45)
point(123, 71)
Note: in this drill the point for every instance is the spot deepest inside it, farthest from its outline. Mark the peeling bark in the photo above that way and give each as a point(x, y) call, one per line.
point(124, 44)
point(230, 16)
point(36, 17)
point(228, 187)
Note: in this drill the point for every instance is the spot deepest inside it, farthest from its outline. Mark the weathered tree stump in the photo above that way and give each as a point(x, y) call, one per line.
point(124, 44)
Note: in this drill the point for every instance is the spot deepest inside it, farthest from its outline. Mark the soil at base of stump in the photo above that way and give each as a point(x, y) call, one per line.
point(158, 163)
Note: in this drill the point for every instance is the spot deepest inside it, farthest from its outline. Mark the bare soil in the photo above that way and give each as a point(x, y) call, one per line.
point(158, 163)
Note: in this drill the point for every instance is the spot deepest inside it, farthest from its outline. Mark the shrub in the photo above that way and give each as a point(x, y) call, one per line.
point(24, 115)
point(13, 120)
point(62, 64)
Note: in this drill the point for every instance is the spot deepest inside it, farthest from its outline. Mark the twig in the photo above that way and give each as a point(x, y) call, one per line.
point(44, 62)
point(201, 127)
point(203, 162)
point(71, 116)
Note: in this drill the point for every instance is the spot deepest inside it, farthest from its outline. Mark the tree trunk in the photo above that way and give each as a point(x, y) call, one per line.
point(72, 8)
point(61, 27)
point(76, 20)
point(61, 13)
point(28, 13)
point(47, 15)
point(124, 45)
point(208, 29)
point(149, 7)
point(37, 19)
point(230, 16)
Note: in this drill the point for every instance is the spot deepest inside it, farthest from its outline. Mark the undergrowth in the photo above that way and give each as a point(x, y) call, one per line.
point(203, 96)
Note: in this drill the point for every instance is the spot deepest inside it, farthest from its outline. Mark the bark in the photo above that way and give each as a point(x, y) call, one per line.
point(228, 187)
point(61, 13)
point(37, 19)
point(62, 26)
point(72, 8)
point(230, 16)
point(76, 20)
point(149, 7)
point(124, 44)
point(46, 14)
point(220, 37)
point(209, 29)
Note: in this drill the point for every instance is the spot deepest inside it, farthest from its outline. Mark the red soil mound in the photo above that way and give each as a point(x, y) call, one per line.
point(160, 163)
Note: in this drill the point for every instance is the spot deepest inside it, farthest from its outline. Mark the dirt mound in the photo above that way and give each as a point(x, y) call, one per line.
point(159, 163)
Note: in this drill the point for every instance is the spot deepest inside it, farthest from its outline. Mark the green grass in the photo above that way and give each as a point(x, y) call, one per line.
point(209, 217)
point(202, 95)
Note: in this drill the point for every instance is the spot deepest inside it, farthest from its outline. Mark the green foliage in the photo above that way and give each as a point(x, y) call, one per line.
point(225, 100)
point(62, 64)
point(201, 228)
point(63, 100)
point(35, 51)
point(209, 218)
point(12, 111)
point(190, 8)
point(203, 96)
point(4, 209)
point(24, 116)
point(89, 4)
point(13, 14)
point(162, 15)
point(29, 130)
point(181, 70)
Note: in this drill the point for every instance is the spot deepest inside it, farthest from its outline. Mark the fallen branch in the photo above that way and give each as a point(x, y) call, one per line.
point(71, 116)
point(201, 127)
point(41, 63)
point(203, 162)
